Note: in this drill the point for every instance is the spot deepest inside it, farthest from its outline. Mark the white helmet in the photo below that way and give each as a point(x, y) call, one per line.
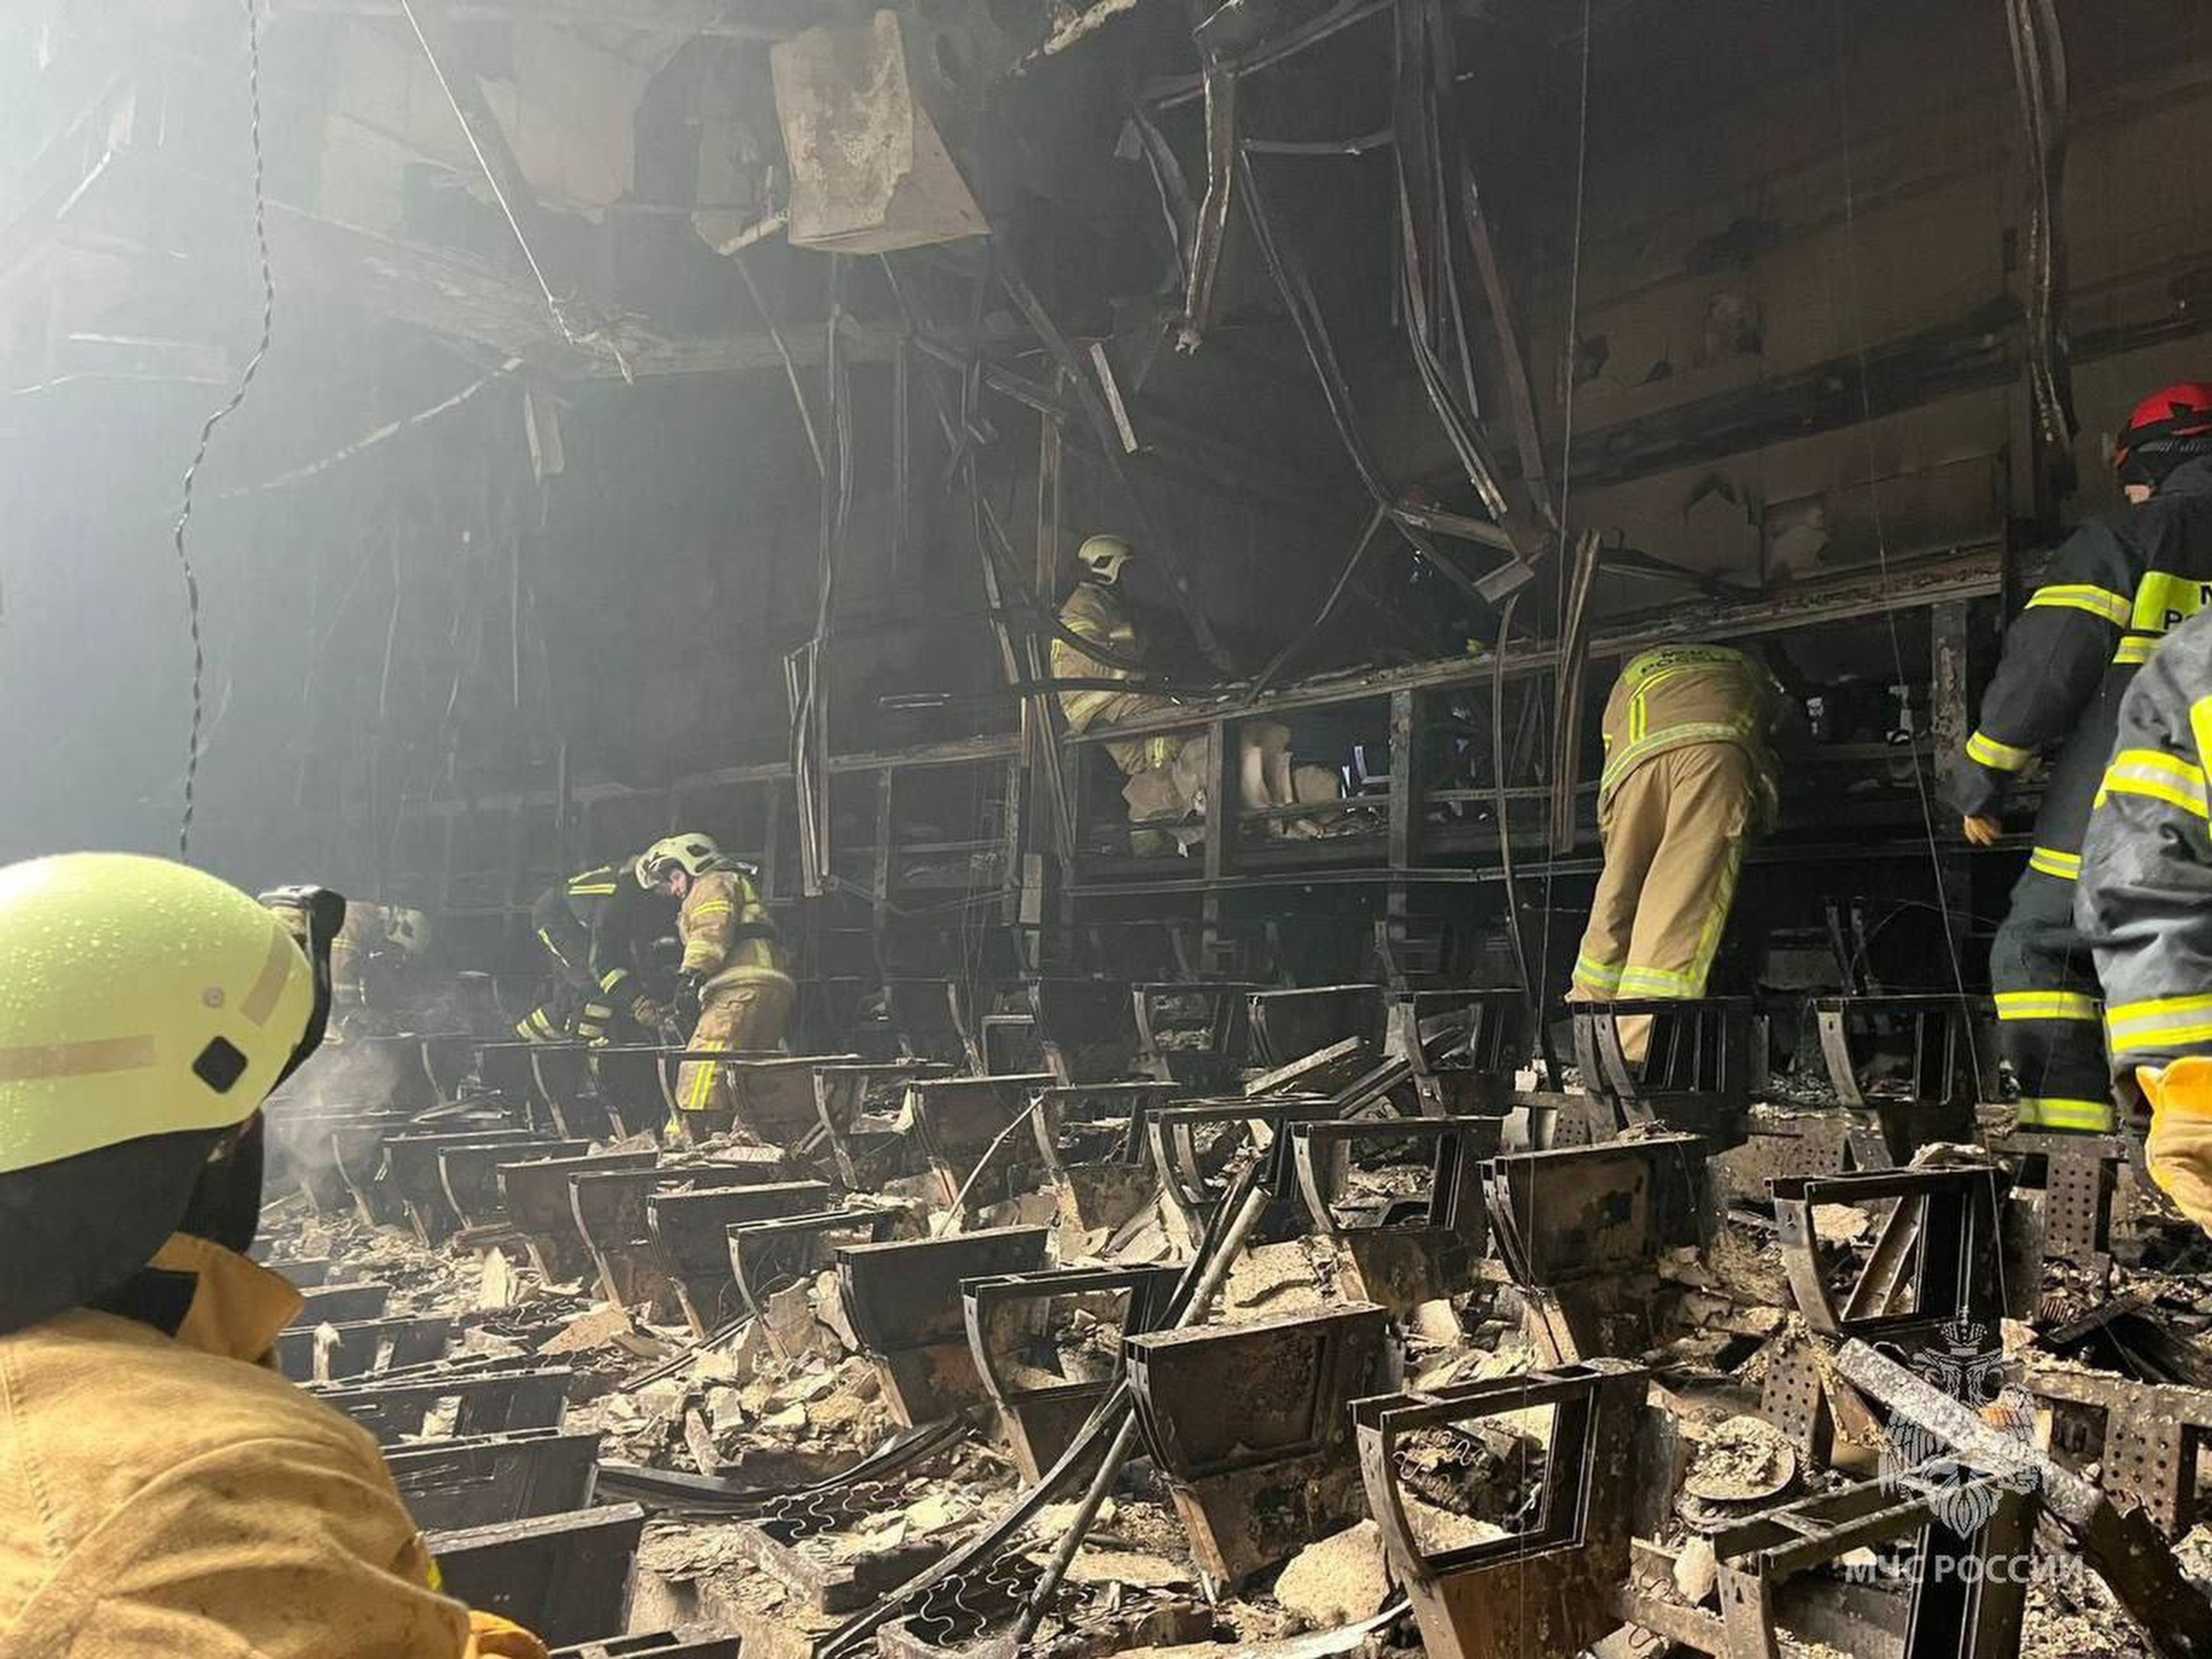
point(408, 930)
point(691, 852)
point(1103, 557)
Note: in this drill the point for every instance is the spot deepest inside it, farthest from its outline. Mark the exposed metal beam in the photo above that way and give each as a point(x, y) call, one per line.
point(716, 18)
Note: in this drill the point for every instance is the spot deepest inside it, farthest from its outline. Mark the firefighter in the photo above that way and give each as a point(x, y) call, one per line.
point(375, 949)
point(1165, 772)
point(2144, 906)
point(1688, 778)
point(2111, 591)
point(163, 1489)
point(731, 985)
point(594, 926)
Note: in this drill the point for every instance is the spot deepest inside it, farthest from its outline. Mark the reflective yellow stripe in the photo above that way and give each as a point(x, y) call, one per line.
point(2159, 776)
point(1640, 749)
point(2164, 600)
point(2136, 648)
point(2168, 1020)
point(2045, 1005)
point(2158, 793)
point(608, 982)
point(2051, 1112)
point(1597, 975)
point(1678, 984)
point(1659, 983)
point(702, 1085)
point(2066, 866)
point(712, 907)
point(2100, 601)
point(2200, 727)
point(2002, 756)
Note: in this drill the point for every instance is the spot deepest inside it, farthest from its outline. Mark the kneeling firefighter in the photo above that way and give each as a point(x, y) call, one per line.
point(731, 985)
point(595, 925)
point(163, 1489)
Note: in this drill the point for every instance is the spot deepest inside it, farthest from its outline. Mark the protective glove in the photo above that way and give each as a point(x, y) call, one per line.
point(1981, 831)
point(2179, 1151)
point(648, 1013)
point(491, 1637)
point(687, 995)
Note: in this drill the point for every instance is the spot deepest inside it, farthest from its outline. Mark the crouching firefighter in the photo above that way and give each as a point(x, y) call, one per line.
point(163, 1489)
point(594, 927)
point(2111, 591)
point(1164, 772)
point(2144, 906)
point(1688, 779)
point(731, 986)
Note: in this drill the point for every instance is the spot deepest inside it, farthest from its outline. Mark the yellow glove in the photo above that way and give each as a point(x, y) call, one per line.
point(2179, 1152)
point(491, 1637)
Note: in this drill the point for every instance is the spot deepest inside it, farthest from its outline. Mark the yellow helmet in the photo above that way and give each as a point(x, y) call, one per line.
point(151, 1010)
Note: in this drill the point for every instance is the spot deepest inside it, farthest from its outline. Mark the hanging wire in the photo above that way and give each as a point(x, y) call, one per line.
point(1566, 458)
point(1873, 505)
point(207, 430)
point(595, 338)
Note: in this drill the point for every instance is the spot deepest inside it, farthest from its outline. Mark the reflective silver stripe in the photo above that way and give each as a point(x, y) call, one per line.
point(1999, 756)
point(34, 1061)
point(2051, 1112)
point(2159, 1022)
point(2159, 776)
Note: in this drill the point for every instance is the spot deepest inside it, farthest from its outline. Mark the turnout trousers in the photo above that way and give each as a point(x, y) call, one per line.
point(749, 1014)
point(2048, 1028)
point(1675, 832)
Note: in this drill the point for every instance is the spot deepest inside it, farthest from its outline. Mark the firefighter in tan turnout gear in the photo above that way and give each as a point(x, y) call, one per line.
point(1166, 771)
point(163, 1489)
point(1688, 778)
point(730, 982)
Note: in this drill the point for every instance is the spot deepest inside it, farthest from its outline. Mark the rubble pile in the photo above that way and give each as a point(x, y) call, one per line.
point(1245, 1365)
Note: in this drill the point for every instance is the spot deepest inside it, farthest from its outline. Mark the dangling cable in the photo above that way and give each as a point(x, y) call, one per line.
point(1880, 533)
point(1566, 464)
point(207, 431)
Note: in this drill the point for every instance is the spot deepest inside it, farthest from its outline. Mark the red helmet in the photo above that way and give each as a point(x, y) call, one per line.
point(2182, 410)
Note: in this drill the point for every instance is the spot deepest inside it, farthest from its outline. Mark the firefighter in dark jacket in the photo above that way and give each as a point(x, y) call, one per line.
point(2111, 594)
point(594, 926)
point(2144, 903)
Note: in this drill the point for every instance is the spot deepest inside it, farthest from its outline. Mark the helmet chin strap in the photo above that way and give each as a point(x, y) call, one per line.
point(225, 1205)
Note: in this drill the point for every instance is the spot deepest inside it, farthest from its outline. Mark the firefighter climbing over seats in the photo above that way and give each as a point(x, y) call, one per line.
point(1688, 779)
point(732, 989)
point(598, 928)
point(1165, 772)
point(2109, 595)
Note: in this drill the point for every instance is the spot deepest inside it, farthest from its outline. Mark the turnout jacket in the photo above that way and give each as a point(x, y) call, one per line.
point(1681, 695)
point(2113, 590)
point(170, 1494)
point(728, 938)
point(1096, 613)
point(595, 923)
point(2145, 900)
